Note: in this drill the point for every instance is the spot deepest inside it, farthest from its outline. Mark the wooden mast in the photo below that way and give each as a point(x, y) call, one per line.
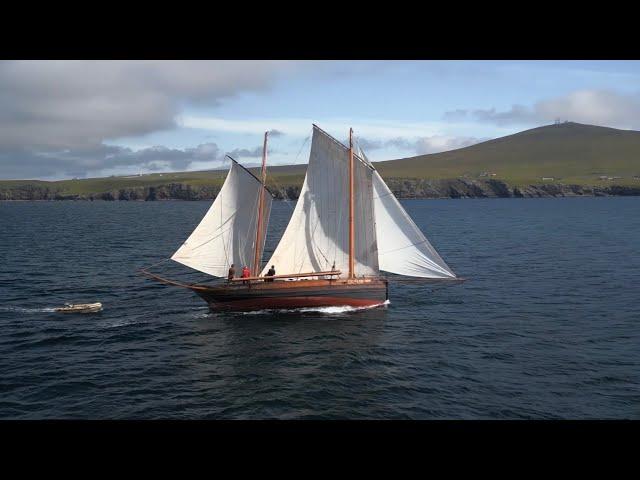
point(351, 208)
point(258, 250)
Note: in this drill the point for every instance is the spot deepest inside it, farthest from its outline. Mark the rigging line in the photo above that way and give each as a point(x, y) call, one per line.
point(316, 244)
point(249, 172)
point(340, 223)
point(284, 193)
point(402, 248)
point(254, 220)
point(340, 144)
point(222, 224)
point(382, 196)
point(303, 144)
point(295, 160)
point(279, 187)
point(156, 264)
point(224, 245)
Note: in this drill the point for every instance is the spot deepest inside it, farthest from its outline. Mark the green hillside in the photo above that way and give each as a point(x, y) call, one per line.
point(569, 153)
point(279, 175)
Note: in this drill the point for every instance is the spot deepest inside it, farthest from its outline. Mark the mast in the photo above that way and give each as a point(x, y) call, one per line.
point(351, 208)
point(258, 251)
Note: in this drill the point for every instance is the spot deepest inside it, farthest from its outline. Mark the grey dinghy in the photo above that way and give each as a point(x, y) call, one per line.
point(80, 308)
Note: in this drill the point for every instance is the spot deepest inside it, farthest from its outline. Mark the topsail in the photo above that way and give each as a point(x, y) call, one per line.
point(228, 232)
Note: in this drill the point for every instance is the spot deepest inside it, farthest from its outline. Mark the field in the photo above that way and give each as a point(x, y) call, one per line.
point(568, 153)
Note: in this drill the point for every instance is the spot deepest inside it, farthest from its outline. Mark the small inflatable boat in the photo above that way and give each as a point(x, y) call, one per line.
point(80, 308)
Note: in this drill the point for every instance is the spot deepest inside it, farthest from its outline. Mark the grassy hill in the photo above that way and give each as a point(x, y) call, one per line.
point(283, 175)
point(568, 153)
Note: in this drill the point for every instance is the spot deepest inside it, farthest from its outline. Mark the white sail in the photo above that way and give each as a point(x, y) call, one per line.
point(227, 233)
point(317, 236)
point(402, 247)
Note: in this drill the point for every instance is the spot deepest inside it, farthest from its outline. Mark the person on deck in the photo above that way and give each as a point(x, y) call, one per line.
point(271, 273)
point(232, 273)
point(246, 273)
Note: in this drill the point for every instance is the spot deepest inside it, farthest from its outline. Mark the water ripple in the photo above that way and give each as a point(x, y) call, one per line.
point(546, 327)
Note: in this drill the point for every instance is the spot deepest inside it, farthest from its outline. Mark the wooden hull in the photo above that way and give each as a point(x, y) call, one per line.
point(295, 294)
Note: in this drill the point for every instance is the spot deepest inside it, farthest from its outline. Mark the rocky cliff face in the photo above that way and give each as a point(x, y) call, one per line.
point(463, 188)
point(401, 187)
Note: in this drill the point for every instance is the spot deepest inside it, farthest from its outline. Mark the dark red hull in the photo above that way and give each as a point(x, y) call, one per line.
point(298, 294)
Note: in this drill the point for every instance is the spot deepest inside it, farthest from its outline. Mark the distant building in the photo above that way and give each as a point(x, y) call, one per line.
point(547, 178)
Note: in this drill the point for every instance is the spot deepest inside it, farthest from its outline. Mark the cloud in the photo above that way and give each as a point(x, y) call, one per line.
point(276, 133)
point(61, 113)
point(598, 107)
point(456, 115)
point(421, 145)
point(71, 103)
point(244, 152)
point(93, 161)
point(439, 143)
point(337, 127)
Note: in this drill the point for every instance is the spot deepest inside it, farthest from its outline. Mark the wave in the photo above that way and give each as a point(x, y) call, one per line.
point(27, 310)
point(325, 310)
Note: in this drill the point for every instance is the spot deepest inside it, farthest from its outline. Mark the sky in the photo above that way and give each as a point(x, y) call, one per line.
point(77, 119)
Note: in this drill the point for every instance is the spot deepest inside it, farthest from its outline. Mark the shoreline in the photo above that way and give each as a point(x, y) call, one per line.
point(100, 200)
point(402, 188)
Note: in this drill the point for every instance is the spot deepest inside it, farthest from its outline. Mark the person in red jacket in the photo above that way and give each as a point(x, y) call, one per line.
point(246, 273)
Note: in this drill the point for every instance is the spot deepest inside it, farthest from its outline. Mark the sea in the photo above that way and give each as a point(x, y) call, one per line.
point(546, 326)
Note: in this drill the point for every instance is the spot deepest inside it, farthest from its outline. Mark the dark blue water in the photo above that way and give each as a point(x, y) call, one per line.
point(546, 327)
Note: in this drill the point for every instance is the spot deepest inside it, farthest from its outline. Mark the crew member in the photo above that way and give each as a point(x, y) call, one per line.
point(246, 273)
point(232, 272)
point(271, 273)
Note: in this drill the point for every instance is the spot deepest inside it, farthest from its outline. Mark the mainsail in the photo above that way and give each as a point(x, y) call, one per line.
point(228, 232)
point(317, 237)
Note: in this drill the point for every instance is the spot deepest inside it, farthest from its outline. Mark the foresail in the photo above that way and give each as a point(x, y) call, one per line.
point(317, 236)
point(227, 233)
point(402, 247)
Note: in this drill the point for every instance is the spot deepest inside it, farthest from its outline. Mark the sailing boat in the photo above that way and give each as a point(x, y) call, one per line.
point(347, 227)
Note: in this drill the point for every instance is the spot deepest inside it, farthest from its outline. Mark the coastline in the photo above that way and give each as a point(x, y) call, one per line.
point(402, 188)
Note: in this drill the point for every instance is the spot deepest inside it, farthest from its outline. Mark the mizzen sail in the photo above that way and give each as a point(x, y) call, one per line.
point(228, 232)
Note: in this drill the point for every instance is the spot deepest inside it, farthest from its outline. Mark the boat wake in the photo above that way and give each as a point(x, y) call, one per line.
point(324, 310)
point(27, 310)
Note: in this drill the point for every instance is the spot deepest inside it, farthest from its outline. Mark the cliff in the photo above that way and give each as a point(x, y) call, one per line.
point(401, 187)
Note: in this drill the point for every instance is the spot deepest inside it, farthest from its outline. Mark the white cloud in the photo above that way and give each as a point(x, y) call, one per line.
point(381, 130)
point(421, 145)
point(592, 106)
point(69, 103)
point(58, 116)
